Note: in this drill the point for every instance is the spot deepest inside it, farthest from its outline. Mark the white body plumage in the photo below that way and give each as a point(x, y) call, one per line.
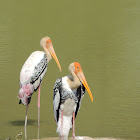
point(31, 75)
point(28, 68)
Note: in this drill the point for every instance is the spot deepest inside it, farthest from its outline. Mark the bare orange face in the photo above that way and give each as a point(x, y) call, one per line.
point(48, 43)
point(77, 67)
point(80, 75)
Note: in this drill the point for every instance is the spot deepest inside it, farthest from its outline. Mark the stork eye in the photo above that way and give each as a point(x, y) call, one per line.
point(48, 43)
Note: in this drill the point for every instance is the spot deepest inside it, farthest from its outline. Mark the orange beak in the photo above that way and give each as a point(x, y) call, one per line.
point(82, 78)
point(52, 52)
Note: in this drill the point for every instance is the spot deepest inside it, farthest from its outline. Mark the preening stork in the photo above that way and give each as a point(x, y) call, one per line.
point(68, 94)
point(32, 73)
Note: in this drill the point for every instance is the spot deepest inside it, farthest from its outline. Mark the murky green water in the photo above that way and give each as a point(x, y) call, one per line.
point(102, 35)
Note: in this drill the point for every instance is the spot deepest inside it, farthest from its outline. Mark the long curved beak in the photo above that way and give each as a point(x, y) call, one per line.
point(51, 50)
point(82, 78)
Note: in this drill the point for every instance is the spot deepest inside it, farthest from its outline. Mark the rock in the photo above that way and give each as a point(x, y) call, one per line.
point(81, 138)
point(8, 138)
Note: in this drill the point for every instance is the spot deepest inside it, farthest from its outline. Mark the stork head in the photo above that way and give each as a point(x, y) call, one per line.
point(46, 43)
point(77, 69)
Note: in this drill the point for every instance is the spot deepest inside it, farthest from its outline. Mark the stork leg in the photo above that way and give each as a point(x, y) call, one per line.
point(61, 125)
point(73, 134)
point(26, 121)
point(38, 105)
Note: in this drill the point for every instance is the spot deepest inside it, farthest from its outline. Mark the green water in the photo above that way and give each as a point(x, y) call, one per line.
point(102, 35)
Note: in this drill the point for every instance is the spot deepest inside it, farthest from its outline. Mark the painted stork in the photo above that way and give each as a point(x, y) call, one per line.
point(68, 94)
point(32, 73)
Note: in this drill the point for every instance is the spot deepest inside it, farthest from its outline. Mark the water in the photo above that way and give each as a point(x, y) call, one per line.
point(103, 36)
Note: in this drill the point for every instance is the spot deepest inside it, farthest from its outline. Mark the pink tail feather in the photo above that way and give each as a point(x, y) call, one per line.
point(25, 93)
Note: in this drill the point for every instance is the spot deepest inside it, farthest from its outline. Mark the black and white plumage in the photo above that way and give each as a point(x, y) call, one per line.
point(60, 101)
point(60, 95)
point(68, 94)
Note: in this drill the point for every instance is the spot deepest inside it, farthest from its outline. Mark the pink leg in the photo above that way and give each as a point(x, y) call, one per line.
point(38, 105)
point(26, 121)
point(73, 126)
point(61, 125)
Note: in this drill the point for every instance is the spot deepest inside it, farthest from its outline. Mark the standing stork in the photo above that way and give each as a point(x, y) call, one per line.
point(32, 73)
point(68, 94)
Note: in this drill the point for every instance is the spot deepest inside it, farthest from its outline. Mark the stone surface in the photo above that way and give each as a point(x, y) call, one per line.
point(81, 138)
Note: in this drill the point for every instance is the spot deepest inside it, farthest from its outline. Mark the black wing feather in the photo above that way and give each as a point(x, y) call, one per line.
point(57, 98)
point(80, 93)
point(39, 69)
